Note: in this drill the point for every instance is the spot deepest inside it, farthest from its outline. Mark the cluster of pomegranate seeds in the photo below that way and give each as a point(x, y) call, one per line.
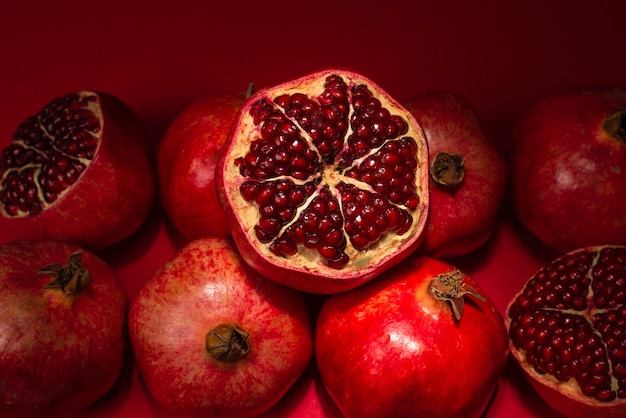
point(371, 124)
point(48, 154)
point(328, 170)
point(570, 321)
point(324, 119)
point(391, 172)
point(319, 227)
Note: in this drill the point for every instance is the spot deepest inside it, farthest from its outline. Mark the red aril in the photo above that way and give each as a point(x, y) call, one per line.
point(468, 177)
point(323, 181)
point(213, 338)
point(406, 344)
point(568, 169)
point(62, 326)
point(80, 170)
point(186, 165)
point(567, 328)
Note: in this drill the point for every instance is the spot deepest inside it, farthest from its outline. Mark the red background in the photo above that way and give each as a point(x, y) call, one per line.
point(502, 56)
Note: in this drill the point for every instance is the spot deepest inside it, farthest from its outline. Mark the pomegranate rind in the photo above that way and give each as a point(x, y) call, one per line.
point(113, 196)
point(463, 217)
point(186, 161)
point(564, 397)
point(306, 271)
point(561, 154)
point(392, 349)
point(203, 285)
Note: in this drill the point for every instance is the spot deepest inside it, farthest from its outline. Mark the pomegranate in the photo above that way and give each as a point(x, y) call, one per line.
point(567, 330)
point(323, 181)
point(406, 344)
point(212, 337)
point(80, 170)
point(468, 177)
point(568, 165)
point(62, 322)
point(186, 165)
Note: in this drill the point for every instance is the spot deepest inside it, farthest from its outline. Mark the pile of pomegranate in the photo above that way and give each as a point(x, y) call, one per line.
point(322, 188)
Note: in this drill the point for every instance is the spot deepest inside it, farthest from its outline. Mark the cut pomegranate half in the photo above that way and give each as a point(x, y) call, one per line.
point(79, 170)
point(324, 181)
point(567, 330)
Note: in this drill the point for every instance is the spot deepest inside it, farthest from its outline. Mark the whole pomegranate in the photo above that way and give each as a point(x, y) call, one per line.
point(212, 337)
point(323, 181)
point(568, 169)
point(567, 330)
point(406, 344)
point(468, 177)
point(186, 165)
point(80, 170)
point(62, 322)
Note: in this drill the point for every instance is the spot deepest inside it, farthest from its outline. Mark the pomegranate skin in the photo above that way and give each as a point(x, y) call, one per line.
point(567, 170)
point(305, 270)
point(390, 349)
point(463, 217)
point(58, 352)
point(186, 165)
point(204, 286)
point(112, 197)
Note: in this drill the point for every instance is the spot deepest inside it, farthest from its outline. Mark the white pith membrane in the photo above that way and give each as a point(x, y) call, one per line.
point(309, 259)
point(89, 107)
point(569, 387)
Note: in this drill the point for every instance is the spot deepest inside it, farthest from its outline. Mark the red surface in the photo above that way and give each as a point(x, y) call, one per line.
point(159, 58)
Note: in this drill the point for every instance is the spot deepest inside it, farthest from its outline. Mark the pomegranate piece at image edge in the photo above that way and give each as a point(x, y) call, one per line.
point(567, 330)
point(568, 169)
point(80, 170)
point(324, 181)
point(62, 328)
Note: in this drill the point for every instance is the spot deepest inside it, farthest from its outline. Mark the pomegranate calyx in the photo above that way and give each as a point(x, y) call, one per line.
point(615, 125)
point(447, 169)
point(227, 343)
point(451, 288)
point(71, 277)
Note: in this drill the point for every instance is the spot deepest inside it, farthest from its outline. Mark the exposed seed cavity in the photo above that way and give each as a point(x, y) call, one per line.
point(570, 321)
point(329, 171)
point(48, 154)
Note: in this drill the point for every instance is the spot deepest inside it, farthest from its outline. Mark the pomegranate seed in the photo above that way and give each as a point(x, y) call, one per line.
point(265, 194)
point(285, 215)
point(270, 226)
point(249, 190)
point(360, 242)
point(340, 262)
point(334, 238)
point(312, 241)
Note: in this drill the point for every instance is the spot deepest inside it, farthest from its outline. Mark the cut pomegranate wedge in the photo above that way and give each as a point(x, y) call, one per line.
point(324, 181)
point(567, 329)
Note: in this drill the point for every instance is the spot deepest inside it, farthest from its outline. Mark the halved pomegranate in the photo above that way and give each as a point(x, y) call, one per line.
point(324, 181)
point(79, 170)
point(567, 330)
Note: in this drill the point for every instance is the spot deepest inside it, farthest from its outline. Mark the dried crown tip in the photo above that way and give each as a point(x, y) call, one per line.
point(227, 343)
point(450, 287)
point(71, 277)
